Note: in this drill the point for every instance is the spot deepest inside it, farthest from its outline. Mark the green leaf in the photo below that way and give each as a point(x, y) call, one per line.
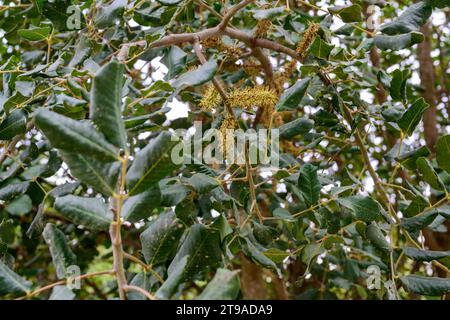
point(20, 206)
point(62, 255)
point(199, 76)
point(429, 175)
point(175, 61)
point(62, 293)
point(202, 245)
point(299, 126)
point(75, 136)
point(202, 183)
point(14, 124)
point(11, 190)
point(176, 276)
point(107, 14)
point(291, 97)
point(276, 255)
point(439, 3)
point(102, 176)
point(169, 2)
point(151, 164)
point(82, 51)
point(410, 20)
point(224, 286)
point(140, 206)
point(310, 252)
point(7, 232)
point(10, 282)
point(411, 118)
point(283, 214)
point(365, 208)
point(350, 13)
point(425, 255)
point(89, 212)
point(59, 12)
point(261, 14)
point(408, 160)
point(398, 84)
point(35, 34)
point(106, 102)
point(160, 240)
point(429, 286)
point(376, 237)
point(309, 185)
point(419, 221)
point(398, 42)
point(417, 205)
point(320, 49)
point(256, 255)
point(443, 153)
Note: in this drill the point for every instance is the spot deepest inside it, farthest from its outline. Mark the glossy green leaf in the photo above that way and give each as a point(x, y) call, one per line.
point(425, 255)
point(299, 126)
point(15, 123)
point(430, 286)
point(320, 49)
point(411, 118)
point(291, 97)
point(151, 164)
point(11, 282)
point(140, 206)
point(376, 237)
point(443, 152)
point(35, 34)
point(199, 76)
point(364, 208)
point(309, 185)
point(62, 255)
point(62, 293)
point(160, 240)
point(176, 276)
point(102, 176)
point(89, 212)
point(260, 14)
point(107, 14)
point(75, 136)
point(350, 13)
point(429, 175)
point(202, 183)
point(419, 221)
point(410, 20)
point(11, 190)
point(175, 61)
point(224, 286)
point(276, 255)
point(398, 42)
point(202, 245)
point(106, 103)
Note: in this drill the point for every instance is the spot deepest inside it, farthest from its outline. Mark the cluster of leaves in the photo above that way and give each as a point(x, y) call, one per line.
point(86, 176)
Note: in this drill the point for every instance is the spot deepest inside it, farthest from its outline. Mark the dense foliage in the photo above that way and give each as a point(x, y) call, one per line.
point(357, 209)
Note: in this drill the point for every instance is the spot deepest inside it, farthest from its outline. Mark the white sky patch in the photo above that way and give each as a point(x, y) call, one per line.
point(178, 110)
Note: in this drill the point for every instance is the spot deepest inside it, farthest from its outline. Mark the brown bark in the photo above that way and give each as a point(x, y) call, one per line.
point(427, 77)
point(253, 286)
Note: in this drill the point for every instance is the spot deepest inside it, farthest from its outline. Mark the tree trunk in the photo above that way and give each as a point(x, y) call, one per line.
point(427, 78)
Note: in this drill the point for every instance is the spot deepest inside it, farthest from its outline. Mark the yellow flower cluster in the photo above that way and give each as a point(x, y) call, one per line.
point(262, 27)
point(251, 67)
point(308, 38)
point(228, 123)
point(281, 77)
point(247, 98)
point(211, 99)
point(232, 52)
